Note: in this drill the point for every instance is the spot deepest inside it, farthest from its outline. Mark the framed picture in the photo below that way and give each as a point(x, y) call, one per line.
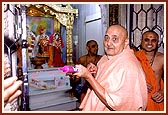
point(37, 27)
point(33, 22)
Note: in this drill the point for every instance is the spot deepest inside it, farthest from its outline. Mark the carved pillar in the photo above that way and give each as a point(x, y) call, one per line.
point(69, 28)
point(113, 14)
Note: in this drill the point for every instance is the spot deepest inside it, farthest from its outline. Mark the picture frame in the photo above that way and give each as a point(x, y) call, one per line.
point(34, 21)
point(34, 25)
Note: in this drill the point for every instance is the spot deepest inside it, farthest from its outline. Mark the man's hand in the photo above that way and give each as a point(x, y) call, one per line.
point(82, 72)
point(6, 69)
point(92, 68)
point(158, 96)
point(149, 87)
point(11, 90)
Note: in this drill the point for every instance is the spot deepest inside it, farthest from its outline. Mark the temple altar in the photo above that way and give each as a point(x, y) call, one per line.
point(46, 20)
point(47, 86)
point(52, 97)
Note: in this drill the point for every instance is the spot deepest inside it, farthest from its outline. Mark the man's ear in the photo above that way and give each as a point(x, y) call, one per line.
point(126, 41)
point(87, 48)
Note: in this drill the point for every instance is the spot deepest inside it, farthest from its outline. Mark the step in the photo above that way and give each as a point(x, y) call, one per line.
point(59, 104)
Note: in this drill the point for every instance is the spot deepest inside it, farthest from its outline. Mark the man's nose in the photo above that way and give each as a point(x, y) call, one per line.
point(150, 42)
point(109, 43)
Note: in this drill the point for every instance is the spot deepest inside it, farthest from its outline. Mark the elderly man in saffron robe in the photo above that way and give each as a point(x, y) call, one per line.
point(119, 83)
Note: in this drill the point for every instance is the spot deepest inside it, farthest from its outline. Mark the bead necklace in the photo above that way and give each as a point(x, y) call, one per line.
point(152, 60)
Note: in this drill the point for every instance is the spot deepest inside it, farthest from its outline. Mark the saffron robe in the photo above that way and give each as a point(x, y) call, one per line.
point(151, 79)
point(124, 82)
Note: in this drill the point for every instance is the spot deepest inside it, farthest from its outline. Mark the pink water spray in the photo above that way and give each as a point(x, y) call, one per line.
point(68, 69)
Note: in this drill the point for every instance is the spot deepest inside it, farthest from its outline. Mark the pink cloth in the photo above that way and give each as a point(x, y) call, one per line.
point(124, 82)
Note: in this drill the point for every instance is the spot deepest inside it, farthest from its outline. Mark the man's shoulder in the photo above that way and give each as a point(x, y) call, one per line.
point(160, 55)
point(82, 59)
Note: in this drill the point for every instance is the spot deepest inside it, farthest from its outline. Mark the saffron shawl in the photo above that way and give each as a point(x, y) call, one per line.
point(151, 79)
